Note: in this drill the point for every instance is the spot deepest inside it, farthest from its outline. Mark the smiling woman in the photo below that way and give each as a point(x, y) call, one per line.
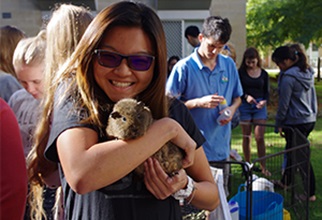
point(122, 54)
point(124, 79)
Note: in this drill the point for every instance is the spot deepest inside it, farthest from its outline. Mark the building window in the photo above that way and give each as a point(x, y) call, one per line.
point(6, 15)
point(173, 35)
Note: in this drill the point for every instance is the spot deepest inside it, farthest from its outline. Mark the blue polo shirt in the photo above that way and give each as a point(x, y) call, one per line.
point(191, 79)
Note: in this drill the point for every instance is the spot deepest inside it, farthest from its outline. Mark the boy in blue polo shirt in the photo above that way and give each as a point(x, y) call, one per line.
point(203, 80)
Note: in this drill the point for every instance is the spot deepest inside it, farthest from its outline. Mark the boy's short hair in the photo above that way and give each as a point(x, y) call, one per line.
point(218, 28)
point(191, 31)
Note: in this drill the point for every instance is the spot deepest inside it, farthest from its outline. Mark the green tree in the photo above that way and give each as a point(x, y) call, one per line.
point(271, 23)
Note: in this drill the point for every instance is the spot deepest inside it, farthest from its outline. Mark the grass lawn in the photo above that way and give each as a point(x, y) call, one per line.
point(315, 139)
point(275, 144)
point(316, 158)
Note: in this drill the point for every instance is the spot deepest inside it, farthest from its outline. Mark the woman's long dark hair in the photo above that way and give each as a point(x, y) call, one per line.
point(293, 52)
point(126, 14)
point(250, 53)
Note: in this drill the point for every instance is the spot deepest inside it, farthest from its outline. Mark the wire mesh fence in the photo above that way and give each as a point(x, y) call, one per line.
point(263, 196)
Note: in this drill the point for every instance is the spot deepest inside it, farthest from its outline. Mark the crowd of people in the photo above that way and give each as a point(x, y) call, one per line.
point(58, 89)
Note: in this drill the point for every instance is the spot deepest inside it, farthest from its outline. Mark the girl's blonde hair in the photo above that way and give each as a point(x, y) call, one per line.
point(30, 51)
point(64, 31)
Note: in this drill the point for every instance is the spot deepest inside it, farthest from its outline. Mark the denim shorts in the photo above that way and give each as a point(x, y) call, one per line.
point(249, 111)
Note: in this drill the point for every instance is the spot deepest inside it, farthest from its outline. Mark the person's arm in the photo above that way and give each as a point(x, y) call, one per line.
point(13, 184)
point(209, 101)
point(205, 193)
point(266, 87)
point(177, 84)
point(235, 104)
point(89, 165)
point(286, 86)
point(261, 104)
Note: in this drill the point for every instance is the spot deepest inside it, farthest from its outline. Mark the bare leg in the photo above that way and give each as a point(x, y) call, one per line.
point(259, 132)
point(247, 135)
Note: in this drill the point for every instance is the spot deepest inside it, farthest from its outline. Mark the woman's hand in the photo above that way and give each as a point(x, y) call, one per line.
point(250, 99)
point(208, 101)
point(261, 104)
point(159, 183)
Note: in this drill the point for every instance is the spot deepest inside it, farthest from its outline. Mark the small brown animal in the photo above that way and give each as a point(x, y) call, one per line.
point(130, 119)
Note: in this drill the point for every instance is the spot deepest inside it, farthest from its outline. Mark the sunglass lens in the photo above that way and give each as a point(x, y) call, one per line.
point(109, 59)
point(140, 63)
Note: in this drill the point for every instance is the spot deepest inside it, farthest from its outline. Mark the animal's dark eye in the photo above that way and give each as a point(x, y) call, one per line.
point(124, 118)
point(115, 115)
point(138, 116)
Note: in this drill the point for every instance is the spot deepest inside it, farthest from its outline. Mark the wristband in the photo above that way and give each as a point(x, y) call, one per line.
point(185, 193)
